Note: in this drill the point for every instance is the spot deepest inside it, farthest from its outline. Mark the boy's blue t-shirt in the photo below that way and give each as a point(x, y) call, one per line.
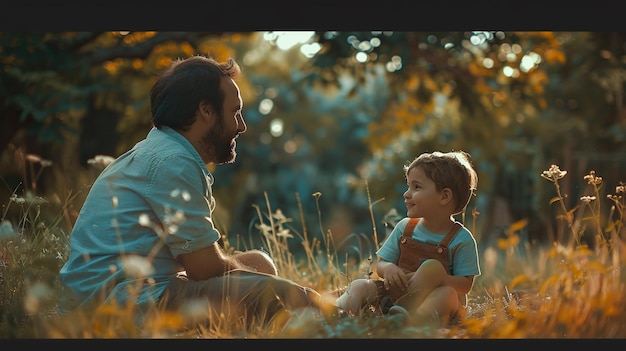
point(462, 250)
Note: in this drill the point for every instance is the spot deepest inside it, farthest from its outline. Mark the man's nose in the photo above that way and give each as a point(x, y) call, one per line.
point(241, 125)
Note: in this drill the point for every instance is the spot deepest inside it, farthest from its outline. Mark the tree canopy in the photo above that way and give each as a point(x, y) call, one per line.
point(337, 119)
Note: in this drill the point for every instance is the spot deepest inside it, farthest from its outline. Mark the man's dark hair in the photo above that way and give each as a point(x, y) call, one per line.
point(175, 96)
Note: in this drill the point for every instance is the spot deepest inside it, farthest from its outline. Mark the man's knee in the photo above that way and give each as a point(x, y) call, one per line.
point(258, 260)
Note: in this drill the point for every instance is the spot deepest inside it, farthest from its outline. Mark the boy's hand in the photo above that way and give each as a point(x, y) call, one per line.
point(396, 278)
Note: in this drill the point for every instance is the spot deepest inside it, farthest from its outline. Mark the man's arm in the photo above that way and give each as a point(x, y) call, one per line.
point(208, 262)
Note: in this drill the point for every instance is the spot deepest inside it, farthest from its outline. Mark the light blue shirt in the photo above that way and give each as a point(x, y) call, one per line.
point(153, 202)
point(462, 250)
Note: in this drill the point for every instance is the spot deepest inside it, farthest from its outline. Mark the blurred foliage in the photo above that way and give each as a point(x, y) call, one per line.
point(352, 115)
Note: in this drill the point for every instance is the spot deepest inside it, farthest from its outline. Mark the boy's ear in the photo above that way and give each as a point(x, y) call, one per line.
point(446, 195)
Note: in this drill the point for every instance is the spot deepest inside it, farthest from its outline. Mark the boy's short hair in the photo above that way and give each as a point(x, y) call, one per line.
point(451, 170)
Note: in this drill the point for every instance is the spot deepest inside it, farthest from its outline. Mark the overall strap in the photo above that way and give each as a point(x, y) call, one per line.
point(455, 229)
point(408, 230)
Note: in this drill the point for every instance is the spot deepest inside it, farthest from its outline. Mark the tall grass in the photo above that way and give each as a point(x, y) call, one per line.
point(569, 289)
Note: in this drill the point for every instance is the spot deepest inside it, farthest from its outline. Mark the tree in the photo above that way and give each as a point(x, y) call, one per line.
point(54, 86)
point(517, 101)
point(355, 111)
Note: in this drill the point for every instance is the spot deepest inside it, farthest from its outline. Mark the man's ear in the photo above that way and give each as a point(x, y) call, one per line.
point(205, 109)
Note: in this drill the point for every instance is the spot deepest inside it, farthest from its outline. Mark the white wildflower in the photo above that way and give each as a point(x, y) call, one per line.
point(100, 162)
point(587, 199)
point(144, 220)
point(137, 266)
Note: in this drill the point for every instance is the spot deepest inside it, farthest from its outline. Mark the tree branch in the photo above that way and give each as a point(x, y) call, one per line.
point(142, 50)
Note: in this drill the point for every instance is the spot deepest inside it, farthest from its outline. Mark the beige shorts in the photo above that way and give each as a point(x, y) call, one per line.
point(237, 294)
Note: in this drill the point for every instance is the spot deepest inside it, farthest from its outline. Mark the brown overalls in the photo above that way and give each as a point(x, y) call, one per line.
point(414, 253)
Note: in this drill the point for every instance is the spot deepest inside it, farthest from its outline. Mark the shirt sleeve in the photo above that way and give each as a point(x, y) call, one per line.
point(181, 196)
point(390, 250)
point(465, 255)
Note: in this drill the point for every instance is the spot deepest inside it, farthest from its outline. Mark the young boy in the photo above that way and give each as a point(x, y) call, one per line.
point(428, 262)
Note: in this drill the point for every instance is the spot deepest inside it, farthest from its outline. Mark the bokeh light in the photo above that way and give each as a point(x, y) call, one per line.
point(266, 106)
point(276, 127)
point(287, 40)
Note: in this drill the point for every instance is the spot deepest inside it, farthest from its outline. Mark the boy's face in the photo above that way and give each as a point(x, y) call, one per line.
point(421, 197)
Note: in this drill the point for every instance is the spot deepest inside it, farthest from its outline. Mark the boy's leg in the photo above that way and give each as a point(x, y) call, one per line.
point(429, 300)
point(359, 293)
point(442, 303)
point(426, 279)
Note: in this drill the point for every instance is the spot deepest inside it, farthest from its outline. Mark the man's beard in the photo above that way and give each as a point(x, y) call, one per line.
point(220, 148)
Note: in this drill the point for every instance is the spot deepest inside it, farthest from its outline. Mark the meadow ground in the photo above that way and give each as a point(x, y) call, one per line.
point(567, 290)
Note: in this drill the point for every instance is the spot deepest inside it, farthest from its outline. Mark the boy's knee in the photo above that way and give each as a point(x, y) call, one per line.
point(432, 267)
point(357, 288)
point(359, 292)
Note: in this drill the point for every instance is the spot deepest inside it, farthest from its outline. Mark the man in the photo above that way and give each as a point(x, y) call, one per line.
point(145, 234)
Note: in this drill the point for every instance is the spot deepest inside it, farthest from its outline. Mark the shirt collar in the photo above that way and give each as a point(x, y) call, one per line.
point(172, 133)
